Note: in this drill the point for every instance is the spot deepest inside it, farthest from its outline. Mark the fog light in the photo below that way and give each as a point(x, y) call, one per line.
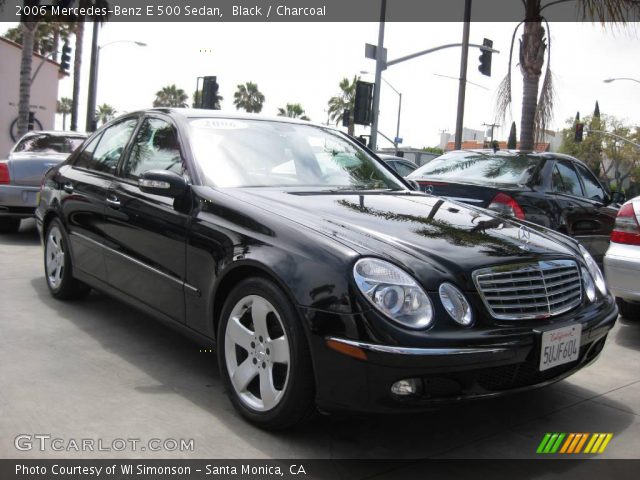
point(409, 386)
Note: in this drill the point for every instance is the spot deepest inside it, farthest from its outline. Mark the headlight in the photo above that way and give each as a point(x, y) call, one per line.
point(594, 270)
point(393, 292)
point(589, 288)
point(455, 304)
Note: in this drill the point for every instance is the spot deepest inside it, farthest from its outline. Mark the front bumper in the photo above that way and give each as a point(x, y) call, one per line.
point(622, 269)
point(446, 374)
point(18, 200)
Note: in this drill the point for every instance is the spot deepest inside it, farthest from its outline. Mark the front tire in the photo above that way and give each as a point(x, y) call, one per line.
point(264, 357)
point(9, 225)
point(628, 310)
point(57, 265)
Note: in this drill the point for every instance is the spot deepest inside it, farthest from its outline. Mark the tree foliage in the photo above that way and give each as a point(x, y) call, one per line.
point(292, 110)
point(345, 100)
point(171, 96)
point(248, 98)
point(105, 113)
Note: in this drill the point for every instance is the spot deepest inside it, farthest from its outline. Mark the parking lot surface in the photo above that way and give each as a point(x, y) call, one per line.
point(97, 369)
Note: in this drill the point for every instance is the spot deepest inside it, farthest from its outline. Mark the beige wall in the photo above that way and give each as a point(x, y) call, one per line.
point(44, 92)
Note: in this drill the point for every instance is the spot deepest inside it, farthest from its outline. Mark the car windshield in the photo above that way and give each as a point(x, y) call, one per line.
point(479, 167)
point(44, 143)
point(260, 153)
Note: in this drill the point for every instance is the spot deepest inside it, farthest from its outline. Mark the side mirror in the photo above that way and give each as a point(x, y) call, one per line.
point(415, 185)
point(162, 182)
point(618, 197)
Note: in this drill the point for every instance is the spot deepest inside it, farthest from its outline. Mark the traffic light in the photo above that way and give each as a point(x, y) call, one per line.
point(209, 93)
point(65, 58)
point(579, 131)
point(32, 121)
point(485, 58)
point(363, 103)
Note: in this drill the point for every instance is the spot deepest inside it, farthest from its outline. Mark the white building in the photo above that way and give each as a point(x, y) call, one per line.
point(44, 92)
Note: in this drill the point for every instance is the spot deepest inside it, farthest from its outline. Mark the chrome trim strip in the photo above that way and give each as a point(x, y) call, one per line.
point(190, 288)
point(416, 351)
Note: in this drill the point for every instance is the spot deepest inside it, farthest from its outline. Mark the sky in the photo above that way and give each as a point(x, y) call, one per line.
point(304, 63)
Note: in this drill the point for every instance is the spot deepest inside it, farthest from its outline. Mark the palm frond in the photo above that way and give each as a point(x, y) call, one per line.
point(503, 94)
point(610, 12)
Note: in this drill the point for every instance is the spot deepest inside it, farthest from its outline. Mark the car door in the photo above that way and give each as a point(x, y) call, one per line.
point(146, 233)
point(85, 182)
point(599, 215)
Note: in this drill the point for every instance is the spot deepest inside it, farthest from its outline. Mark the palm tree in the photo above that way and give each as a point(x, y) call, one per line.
point(105, 113)
point(47, 36)
point(63, 107)
point(292, 110)
point(197, 98)
point(249, 98)
point(171, 96)
point(344, 101)
point(537, 103)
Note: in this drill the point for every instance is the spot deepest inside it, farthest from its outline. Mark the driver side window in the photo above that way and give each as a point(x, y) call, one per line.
point(154, 148)
point(104, 152)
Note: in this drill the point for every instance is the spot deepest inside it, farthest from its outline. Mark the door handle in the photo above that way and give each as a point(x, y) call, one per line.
point(68, 187)
point(113, 201)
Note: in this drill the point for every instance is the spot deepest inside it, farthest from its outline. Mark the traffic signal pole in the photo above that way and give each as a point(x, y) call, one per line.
point(93, 80)
point(380, 65)
point(463, 73)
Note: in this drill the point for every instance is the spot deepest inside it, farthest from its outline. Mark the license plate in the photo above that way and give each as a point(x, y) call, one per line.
point(560, 346)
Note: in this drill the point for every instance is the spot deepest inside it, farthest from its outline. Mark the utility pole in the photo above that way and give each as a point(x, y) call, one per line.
point(380, 65)
point(93, 80)
point(492, 125)
point(463, 73)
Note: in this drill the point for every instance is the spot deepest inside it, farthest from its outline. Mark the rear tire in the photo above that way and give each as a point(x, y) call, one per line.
point(628, 310)
point(57, 265)
point(264, 357)
point(9, 225)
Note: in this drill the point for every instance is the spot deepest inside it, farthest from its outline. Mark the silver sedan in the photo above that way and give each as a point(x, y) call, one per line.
point(622, 260)
point(22, 173)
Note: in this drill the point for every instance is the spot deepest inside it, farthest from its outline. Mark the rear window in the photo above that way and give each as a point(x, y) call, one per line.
point(480, 168)
point(49, 144)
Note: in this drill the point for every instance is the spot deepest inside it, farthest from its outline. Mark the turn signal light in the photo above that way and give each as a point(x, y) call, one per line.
point(503, 203)
point(349, 350)
point(4, 173)
point(626, 229)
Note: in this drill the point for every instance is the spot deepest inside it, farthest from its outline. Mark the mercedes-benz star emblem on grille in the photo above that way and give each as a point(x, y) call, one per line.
point(429, 189)
point(524, 235)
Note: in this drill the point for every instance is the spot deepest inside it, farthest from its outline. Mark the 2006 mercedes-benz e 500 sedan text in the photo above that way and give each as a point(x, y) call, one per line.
point(322, 277)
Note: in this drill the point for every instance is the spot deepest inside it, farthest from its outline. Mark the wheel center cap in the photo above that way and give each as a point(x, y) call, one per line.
point(261, 355)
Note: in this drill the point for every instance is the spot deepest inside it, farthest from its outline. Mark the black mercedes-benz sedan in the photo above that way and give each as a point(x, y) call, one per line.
point(323, 280)
point(550, 189)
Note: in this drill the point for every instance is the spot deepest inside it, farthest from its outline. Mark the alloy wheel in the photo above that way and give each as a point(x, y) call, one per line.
point(257, 353)
point(54, 257)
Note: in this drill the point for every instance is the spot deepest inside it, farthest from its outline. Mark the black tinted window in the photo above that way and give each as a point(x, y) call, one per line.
point(155, 148)
point(592, 188)
point(45, 143)
point(565, 179)
point(107, 150)
point(403, 169)
point(480, 168)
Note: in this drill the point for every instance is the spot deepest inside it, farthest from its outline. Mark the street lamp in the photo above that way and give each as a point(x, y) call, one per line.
point(93, 75)
point(395, 140)
point(609, 80)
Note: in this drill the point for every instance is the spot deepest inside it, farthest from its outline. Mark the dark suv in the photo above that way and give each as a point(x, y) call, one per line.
point(550, 189)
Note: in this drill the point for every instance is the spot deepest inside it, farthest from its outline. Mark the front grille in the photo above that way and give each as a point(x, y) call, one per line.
point(531, 290)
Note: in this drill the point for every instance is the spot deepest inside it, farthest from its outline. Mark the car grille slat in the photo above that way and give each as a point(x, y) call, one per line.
point(532, 290)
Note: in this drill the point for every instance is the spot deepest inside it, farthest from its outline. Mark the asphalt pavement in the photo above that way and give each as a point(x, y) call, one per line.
point(96, 369)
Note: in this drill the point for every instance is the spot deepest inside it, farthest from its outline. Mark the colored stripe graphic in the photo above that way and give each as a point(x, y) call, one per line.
point(573, 443)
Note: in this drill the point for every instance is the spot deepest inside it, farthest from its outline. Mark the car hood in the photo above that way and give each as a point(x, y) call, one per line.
point(450, 237)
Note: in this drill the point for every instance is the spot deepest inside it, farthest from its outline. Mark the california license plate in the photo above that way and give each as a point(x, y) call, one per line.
point(560, 346)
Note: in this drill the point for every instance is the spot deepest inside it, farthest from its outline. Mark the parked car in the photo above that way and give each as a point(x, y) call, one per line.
point(319, 275)
point(21, 174)
point(622, 261)
point(400, 165)
point(550, 189)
